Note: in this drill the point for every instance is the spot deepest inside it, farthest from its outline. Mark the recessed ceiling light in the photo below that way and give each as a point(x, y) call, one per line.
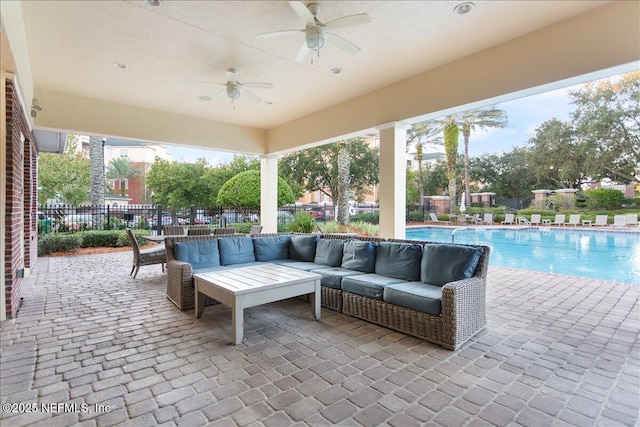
point(464, 8)
point(153, 3)
point(204, 98)
point(119, 65)
point(335, 70)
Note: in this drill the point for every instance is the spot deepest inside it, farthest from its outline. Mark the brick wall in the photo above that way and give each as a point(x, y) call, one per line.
point(21, 206)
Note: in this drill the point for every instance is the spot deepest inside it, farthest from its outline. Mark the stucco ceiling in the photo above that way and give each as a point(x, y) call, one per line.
point(172, 51)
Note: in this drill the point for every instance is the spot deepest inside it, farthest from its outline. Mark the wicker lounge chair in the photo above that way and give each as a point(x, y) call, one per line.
point(256, 229)
point(224, 231)
point(145, 256)
point(198, 230)
point(173, 230)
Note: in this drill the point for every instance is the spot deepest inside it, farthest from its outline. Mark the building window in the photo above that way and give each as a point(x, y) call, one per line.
point(124, 152)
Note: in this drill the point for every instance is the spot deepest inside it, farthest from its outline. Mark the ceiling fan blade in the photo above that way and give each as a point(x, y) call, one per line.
point(258, 85)
point(349, 21)
point(343, 44)
point(219, 94)
point(251, 96)
point(301, 10)
point(302, 52)
point(278, 34)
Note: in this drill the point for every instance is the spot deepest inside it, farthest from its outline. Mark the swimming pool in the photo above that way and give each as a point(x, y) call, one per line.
point(594, 254)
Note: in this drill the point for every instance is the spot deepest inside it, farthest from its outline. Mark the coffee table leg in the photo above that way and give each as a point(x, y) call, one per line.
point(199, 300)
point(315, 301)
point(237, 322)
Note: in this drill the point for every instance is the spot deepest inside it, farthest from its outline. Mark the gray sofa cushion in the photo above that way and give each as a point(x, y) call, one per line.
point(444, 263)
point(200, 254)
point(359, 255)
point(368, 285)
point(271, 248)
point(332, 276)
point(416, 296)
point(329, 252)
point(303, 248)
point(300, 265)
point(236, 250)
point(399, 260)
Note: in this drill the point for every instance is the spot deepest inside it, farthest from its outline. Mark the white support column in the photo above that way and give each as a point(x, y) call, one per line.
point(393, 176)
point(269, 193)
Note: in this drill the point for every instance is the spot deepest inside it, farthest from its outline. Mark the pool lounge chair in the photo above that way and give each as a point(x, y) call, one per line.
point(559, 219)
point(574, 220)
point(508, 219)
point(535, 219)
point(619, 221)
point(434, 218)
point(601, 221)
point(488, 219)
point(632, 220)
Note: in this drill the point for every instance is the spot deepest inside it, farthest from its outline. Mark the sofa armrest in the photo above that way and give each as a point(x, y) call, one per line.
point(464, 308)
point(179, 284)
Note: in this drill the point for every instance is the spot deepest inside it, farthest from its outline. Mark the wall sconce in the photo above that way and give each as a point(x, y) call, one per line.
point(35, 107)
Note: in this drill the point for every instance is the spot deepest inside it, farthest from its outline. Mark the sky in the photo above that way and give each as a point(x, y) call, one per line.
point(524, 114)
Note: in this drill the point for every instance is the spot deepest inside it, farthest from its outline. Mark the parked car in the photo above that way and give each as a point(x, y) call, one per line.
point(317, 212)
point(166, 220)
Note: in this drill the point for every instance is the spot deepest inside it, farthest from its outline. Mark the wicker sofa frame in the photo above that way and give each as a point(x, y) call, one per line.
point(462, 315)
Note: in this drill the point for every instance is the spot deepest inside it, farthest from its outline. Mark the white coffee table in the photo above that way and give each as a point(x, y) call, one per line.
point(244, 287)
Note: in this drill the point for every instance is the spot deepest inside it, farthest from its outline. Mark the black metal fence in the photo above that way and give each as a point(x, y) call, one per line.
point(80, 218)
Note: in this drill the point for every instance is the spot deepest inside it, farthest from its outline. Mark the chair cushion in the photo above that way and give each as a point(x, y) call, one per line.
point(303, 248)
point(368, 285)
point(271, 248)
point(236, 250)
point(416, 296)
point(332, 276)
point(399, 260)
point(445, 263)
point(359, 255)
point(200, 254)
point(329, 252)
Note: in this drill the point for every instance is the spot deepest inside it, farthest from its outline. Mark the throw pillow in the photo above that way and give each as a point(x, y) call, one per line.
point(444, 263)
point(271, 248)
point(399, 260)
point(329, 252)
point(236, 250)
point(303, 247)
point(359, 255)
point(200, 254)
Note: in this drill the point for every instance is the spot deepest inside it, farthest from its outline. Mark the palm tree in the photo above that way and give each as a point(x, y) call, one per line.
point(121, 169)
point(482, 119)
point(419, 134)
point(344, 181)
point(96, 158)
point(451, 133)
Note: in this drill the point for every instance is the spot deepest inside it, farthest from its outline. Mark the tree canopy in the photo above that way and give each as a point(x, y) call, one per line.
point(65, 177)
point(316, 169)
point(243, 191)
point(179, 185)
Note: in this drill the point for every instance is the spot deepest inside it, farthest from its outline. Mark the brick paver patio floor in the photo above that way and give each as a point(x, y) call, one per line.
point(110, 350)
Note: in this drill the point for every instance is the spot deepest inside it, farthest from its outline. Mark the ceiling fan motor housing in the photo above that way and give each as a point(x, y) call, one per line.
point(233, 90)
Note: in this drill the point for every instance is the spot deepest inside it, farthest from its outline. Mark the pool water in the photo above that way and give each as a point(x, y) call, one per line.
point(594, 254)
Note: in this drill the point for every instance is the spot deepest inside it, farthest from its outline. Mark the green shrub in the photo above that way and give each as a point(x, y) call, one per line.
point(303, 223)
point(96, 239)
point(50, 243)
point(366, 228)
point(370, 217)
point(330, 227)
point(604, 198)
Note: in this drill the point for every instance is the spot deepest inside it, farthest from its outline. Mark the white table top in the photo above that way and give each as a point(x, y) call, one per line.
point(243, 280)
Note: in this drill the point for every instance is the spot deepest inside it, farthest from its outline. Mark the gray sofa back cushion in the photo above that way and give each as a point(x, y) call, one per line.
point(271, 248)
point(236, 250)
point(303, 248)
point(200, 254)
point(329, 252)
point(359, 255)
point(444, 263)
point(399, 260)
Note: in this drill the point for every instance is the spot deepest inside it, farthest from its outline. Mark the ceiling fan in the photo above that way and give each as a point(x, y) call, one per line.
point(233, 88)
point(316, 32)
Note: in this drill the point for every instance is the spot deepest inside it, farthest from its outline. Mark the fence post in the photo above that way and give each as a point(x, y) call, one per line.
point(108, 218)
point(159, 220)
point(192, 215)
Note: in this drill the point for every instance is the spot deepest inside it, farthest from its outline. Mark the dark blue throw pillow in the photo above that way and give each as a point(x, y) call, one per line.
point(329, 252)
point(271, 248)
point(200, 254)
point(399, 260)
point(445, 263)
point(303, 247)
point(359, 255)
point(236, 250)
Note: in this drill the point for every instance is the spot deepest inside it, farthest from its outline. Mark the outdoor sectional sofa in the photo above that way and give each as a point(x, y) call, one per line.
point(433, 291)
